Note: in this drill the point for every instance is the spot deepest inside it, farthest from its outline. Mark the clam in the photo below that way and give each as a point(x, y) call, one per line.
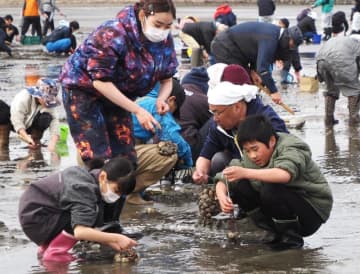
point(126, 256)
point(150, 210)
point(208, 205)
point(231, 235)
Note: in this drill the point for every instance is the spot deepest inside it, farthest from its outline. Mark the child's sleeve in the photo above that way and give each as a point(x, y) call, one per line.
point(293, 161)
point(220, 177)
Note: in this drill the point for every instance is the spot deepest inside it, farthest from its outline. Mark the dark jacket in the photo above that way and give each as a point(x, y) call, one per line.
point(58, 33)
point(3, 46)
point(295, 60)
point(194, 113)
point(302, 14)
point(217, 141)
point(266, 7)
point(202, 32)
point(307, 24)
point(253, 44)
point(2, 22)
point(72, 196)
point(14, 32)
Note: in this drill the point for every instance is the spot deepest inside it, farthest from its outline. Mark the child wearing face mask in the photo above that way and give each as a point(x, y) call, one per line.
point(61, 209)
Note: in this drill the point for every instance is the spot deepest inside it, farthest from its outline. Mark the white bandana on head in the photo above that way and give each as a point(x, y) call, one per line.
point(226, 93)
point(215, 73)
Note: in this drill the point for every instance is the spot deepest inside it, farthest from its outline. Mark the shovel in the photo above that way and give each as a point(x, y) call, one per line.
point(267, 91)
point(297, 124)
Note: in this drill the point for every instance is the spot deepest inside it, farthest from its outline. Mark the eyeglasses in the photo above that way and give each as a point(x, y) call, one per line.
point(217, 113)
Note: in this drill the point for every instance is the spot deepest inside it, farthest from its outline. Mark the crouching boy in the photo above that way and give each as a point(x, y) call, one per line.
point(277, 183)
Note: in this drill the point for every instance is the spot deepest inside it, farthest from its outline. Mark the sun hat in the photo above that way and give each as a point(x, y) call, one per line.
point(45, 89)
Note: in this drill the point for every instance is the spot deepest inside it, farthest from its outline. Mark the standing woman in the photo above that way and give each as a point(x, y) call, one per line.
point(120, 61)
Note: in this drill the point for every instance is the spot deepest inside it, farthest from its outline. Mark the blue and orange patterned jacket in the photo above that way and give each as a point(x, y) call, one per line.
point(118, 52)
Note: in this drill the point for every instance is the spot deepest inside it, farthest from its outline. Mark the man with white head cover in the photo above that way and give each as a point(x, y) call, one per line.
point(231, 99)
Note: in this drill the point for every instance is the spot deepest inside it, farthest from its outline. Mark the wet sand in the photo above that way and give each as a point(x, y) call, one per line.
point(174, 242)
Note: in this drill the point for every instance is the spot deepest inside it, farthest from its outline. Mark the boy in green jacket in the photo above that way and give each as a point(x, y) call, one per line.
point(277, 183)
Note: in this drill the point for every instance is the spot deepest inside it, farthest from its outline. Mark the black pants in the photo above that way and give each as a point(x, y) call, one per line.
point(324, 75)
point(4, 47)
point(277, 201)
point(4, 113)
point(48, 24)
point(41, 122)
point(31, 20)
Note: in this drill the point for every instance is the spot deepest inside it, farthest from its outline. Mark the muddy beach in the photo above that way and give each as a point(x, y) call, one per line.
point(174, 241)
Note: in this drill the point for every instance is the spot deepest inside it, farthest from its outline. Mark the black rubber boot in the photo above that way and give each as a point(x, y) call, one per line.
point(327, 33)
point(4, 142)
point(329, 111)
point(4, 136)
point(288, 235)
point(260, 220)
point(265, 223)
point(353, 106)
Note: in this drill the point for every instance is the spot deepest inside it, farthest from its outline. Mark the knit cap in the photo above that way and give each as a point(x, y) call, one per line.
point(236, 74)
point(197, 76)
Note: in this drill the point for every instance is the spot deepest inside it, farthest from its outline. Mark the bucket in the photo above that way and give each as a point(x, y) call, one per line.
point(64, 131)
point(309, 84)
point(196, 57)
point(316, 39)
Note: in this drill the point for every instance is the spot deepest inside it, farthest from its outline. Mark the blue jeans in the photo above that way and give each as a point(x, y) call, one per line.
point(62, 45)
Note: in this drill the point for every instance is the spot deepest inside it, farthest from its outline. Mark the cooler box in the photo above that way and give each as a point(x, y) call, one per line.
point(31, 40)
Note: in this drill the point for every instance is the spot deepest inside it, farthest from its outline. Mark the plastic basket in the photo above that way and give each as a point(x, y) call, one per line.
point(316, 39)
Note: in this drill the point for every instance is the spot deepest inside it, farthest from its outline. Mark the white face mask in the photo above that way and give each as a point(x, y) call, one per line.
point(109, 196)
point(155, 34)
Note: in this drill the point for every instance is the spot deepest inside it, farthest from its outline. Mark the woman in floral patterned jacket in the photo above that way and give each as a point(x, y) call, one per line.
point(121, 60)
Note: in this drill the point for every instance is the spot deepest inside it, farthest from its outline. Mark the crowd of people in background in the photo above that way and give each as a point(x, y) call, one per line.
point(122, 99)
